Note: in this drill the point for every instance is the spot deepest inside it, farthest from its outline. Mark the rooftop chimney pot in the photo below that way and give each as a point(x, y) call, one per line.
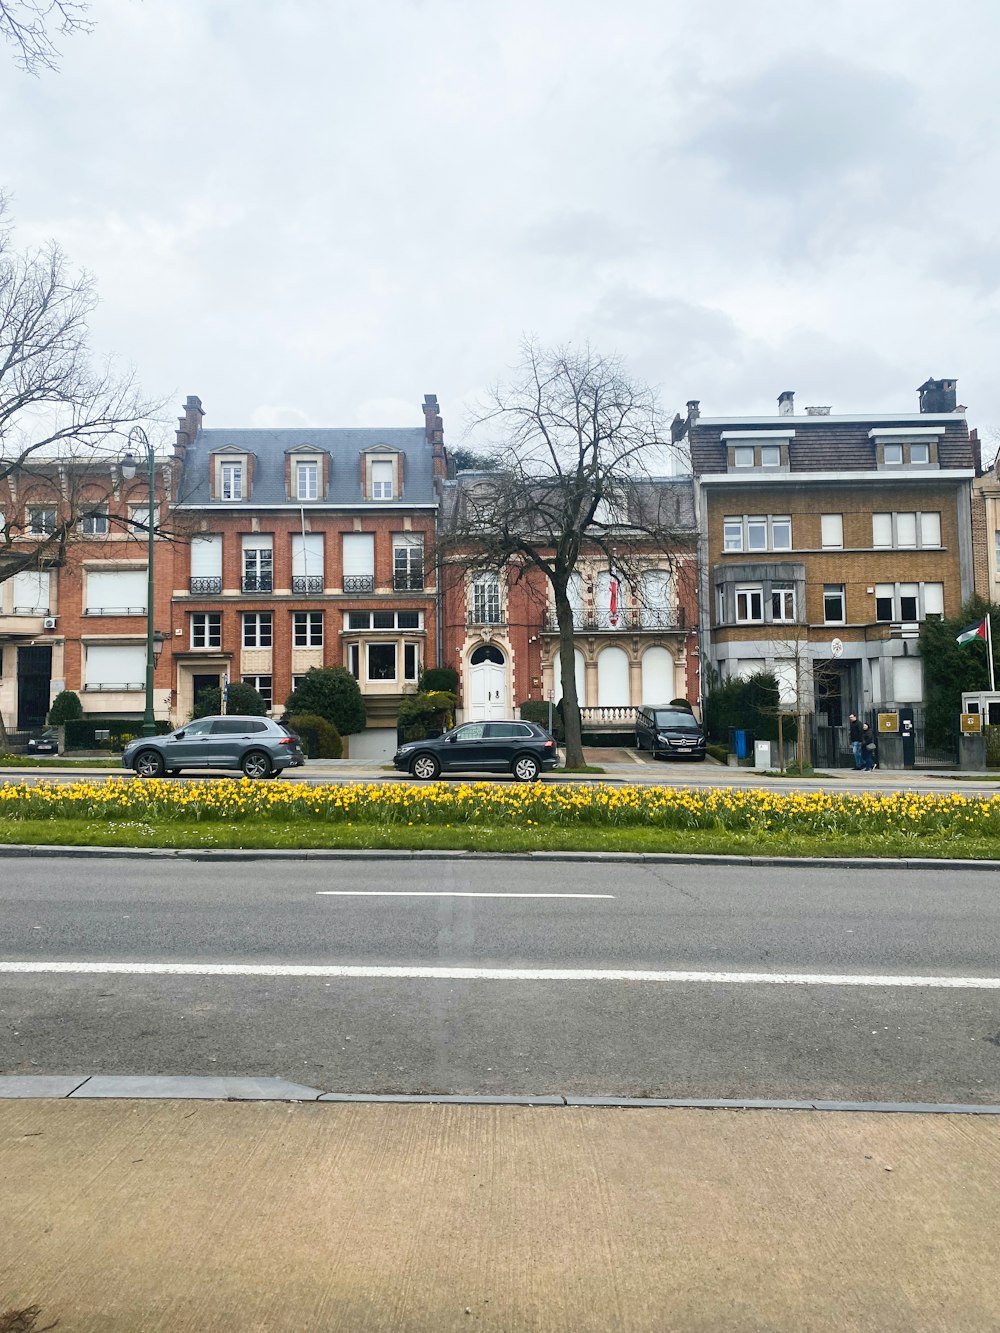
point(818, 411)
point(938, 395)
point(786, 403)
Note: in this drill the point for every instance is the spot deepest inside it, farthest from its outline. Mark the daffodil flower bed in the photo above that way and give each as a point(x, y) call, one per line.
point(530, 808)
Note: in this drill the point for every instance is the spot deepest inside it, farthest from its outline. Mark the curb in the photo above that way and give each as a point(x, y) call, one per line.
point(81, 1087)
point(19, 850)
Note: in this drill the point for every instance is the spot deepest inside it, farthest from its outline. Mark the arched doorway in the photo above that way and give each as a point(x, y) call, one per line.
point(612, 678)
point(487, 684)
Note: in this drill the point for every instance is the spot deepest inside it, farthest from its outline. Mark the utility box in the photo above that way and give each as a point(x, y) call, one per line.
point(762, 757)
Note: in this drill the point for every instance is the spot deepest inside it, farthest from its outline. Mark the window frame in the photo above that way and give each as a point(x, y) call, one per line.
point(307, 468)
point(835, 545)
point(230, 470)
point(747, 592)
point(47, 528)
point(89, 521)
point(382, 463)
point(211, 630)
point(258, 626)
point(786, 593)
point(267, 693)
point(381, 645)
point(306, 634)
point(830, 591)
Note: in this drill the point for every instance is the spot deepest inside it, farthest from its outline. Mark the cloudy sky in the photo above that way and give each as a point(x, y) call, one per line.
point(317, 211)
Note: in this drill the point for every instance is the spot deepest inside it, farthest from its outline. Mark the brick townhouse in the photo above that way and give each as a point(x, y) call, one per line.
point(825, 541)
point(280, 550)
point(79, 622)
point(308, 547)
point(638, 646)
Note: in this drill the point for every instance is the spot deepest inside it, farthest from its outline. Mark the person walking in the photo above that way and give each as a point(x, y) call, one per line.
point(868, 752)
point(855, 739)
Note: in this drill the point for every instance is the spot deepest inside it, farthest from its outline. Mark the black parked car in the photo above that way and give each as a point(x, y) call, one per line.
point(522, 748)
point(668, 732)
point(47, 743)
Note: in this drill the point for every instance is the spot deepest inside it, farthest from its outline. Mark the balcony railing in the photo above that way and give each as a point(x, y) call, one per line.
point(116, 611)
point(407, 582)
point(206, 587)
point(257, 582)
point(602, 622)
point(307, 583)
point(621, 718)
point(359, 583)
point(487, 617)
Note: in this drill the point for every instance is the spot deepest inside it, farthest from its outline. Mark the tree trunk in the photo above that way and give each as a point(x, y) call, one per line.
point(567, 668)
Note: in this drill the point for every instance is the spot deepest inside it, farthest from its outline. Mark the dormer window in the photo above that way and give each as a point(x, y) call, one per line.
point(231, 481)
point(743, 456)
point(770, 455)
point(307, 479)
point(757, 449)
point(382, 487)
point(904, 447)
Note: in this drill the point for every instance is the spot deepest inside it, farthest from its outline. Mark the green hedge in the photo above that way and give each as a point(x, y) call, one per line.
point(320, 739)
point(434, 679)
point(80, 734)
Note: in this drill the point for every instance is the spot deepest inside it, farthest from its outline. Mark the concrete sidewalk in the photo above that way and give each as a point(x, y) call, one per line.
point(175, 1216)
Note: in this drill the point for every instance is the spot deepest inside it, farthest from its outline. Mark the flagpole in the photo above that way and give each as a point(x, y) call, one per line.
point(989, 650)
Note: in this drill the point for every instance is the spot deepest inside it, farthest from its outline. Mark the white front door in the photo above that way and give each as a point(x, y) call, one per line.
point(487, 685)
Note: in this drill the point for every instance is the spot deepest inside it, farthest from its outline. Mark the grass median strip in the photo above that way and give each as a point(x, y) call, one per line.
point(235, 813)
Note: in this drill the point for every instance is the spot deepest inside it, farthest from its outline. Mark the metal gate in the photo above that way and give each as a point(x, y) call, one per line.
point(34, 682)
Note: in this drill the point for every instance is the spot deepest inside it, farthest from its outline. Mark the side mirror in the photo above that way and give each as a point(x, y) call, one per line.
point(178, 735)
point(452, 740)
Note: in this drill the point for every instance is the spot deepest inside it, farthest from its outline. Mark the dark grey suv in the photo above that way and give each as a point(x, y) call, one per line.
point(256, 746)
point(522, 748)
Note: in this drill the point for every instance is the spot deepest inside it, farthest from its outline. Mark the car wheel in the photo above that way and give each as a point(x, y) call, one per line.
point(425, 767)
point(526, 768)
point(256, 765)
point(148, 764)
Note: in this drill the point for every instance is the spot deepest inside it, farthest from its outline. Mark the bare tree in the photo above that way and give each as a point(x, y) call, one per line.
point(62, 416)
point(31, 27)
point(577, 445)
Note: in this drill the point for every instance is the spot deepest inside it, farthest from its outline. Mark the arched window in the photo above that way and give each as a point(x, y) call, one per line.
point(612, 678)
point(487, 652)
point(581, 696)
point(657, 676)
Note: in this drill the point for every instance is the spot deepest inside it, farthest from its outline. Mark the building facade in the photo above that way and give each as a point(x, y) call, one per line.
point(825, 541)
point(636, 638)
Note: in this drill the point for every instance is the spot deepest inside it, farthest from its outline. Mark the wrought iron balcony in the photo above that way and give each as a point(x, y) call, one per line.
point(359, 583)
point(206, 587)
point(307, 583)
point(645, 620)
point(257, 583)
point(487, 617)
point(407, 582)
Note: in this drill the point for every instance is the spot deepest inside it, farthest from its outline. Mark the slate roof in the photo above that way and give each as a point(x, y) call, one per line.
point(344, 445)
point(665, 502)
point(830, 444)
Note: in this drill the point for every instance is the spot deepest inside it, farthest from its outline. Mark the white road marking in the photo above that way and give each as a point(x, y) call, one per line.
point(417, 973)
point(443, 893)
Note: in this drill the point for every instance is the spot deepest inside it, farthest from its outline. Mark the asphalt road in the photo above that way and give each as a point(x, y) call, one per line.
point(727, 1036)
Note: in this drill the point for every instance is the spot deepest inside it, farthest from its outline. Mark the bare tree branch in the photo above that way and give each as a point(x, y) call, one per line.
point(30, 26)
point(63, 418)
point(578, 475)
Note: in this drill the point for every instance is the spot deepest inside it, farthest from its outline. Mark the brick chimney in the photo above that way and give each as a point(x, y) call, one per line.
point(938, 395)
point(434, 433)
point(786, 403)
point(188, 425)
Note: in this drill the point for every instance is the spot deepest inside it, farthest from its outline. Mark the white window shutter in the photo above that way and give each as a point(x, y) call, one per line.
point(206, 556)
point(359, 554)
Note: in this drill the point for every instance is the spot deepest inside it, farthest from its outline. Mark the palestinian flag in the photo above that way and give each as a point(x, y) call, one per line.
point(974, 632)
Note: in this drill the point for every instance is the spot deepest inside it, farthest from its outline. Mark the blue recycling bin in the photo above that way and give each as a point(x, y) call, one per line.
point(742, 743)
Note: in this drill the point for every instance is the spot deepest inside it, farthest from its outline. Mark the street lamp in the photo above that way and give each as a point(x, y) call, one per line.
point(154, 638)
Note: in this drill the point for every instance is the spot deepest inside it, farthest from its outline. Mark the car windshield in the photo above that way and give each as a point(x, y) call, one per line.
point(675, 717)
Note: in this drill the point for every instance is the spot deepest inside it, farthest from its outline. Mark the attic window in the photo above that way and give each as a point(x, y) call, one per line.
point(381, 474)
point(306, 479)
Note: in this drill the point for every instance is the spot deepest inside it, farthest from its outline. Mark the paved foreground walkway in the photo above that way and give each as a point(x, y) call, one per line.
point(179, 1216)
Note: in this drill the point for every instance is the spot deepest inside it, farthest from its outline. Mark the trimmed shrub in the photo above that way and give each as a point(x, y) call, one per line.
point(426, 713)
point(536, 710)
point(66, 707)
point(80, 735)
point(320, 739)
point(681, 703)
point(748, 703)
point(242, 700)
point(331, 693)
point(433, 679)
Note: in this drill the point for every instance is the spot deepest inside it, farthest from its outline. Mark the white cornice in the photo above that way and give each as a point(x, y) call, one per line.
point(871, 417)
point(757, 435)
point(857, 478)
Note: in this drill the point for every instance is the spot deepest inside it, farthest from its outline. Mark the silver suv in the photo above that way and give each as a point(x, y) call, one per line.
point(257, 746)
